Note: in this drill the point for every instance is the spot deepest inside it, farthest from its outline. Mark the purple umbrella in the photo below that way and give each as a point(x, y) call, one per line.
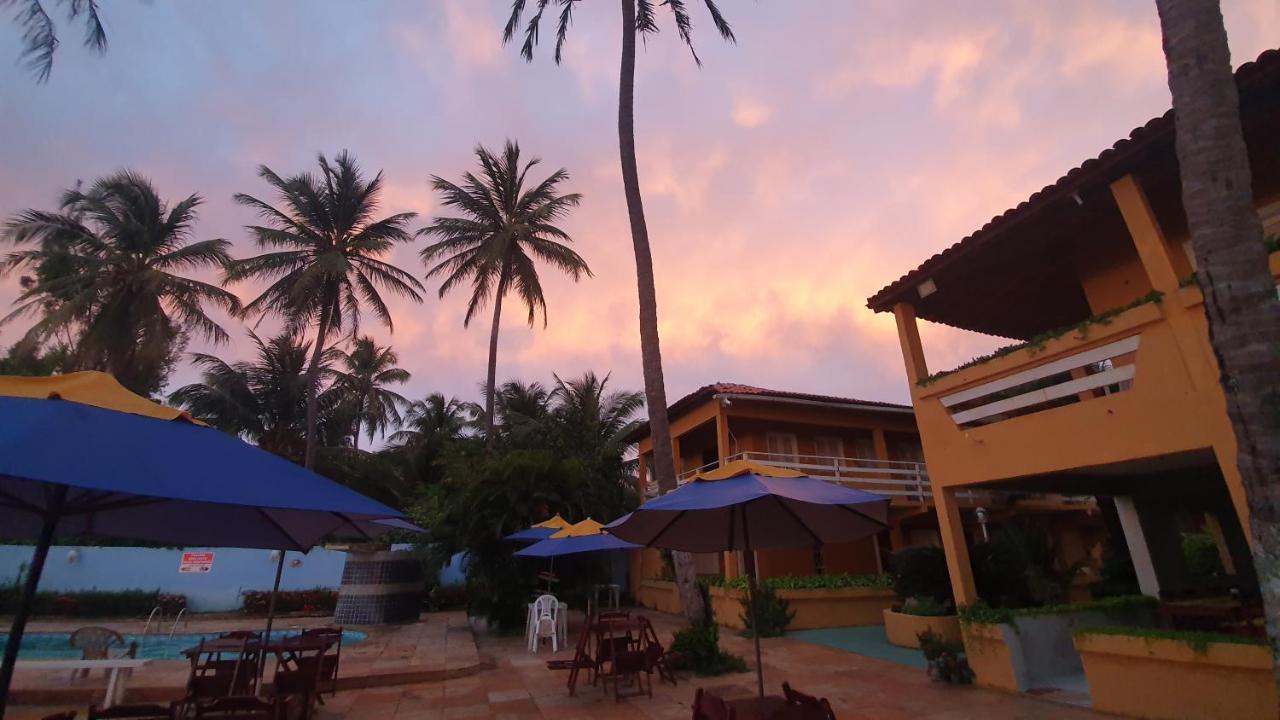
point(750, 506)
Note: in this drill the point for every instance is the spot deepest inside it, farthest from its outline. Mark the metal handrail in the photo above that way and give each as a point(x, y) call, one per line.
point(146, 629)
point(177, 620)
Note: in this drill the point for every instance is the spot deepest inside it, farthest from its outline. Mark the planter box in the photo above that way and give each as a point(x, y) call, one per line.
point(904, 630)
point(990, 653)
point(660, 595)
point(840, 607)
point(1160, 678)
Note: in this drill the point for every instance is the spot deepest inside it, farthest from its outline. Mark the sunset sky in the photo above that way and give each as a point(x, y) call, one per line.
point(834, 147)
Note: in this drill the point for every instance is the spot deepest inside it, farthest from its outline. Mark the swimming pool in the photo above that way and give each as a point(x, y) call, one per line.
point(56, 645)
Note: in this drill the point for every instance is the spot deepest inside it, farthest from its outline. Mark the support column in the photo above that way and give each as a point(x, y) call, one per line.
point(642, 473)
point(1225, 454)
point(679, 458)
point(1139, 550)
point(956, 546)
point(912, 350)
point(724, 448)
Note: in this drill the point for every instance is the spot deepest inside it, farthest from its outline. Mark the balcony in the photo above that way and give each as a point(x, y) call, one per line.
point(901, 481)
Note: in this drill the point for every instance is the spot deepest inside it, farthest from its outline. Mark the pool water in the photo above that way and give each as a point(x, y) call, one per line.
point(57, 645)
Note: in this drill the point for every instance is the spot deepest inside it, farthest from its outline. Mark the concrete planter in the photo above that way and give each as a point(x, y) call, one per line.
point(824, 608)
point(904, 630)
point(991, 655)
point(379, 586)
point(1162, 678)
point(660, 595)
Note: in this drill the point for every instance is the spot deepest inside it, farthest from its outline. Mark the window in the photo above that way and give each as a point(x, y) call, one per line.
point(828, 448)
point(782, 446)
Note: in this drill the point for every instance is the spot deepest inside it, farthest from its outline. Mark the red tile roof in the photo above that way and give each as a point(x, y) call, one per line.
point(1112, 161)
point(707, 392)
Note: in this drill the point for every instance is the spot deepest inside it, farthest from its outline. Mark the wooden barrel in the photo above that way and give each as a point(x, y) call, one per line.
point(383, 586)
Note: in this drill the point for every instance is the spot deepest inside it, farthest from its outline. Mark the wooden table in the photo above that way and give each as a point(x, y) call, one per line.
point(114, 666)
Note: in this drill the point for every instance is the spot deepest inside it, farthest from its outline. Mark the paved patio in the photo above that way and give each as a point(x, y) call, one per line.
point(515, 685)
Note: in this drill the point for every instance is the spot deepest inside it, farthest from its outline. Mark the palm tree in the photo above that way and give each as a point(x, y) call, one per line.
point(522, 411)
point(428, 426)
point(326, 259)
point(369, 370)
point(600, 418)
point(1239, 292)
point(105, 276)
point(40, 34)
point(263, 400)
point(638, 17)
point(505, 228)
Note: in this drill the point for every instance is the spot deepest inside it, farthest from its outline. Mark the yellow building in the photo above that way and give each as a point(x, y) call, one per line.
point(1112, 388)
point(872, 446)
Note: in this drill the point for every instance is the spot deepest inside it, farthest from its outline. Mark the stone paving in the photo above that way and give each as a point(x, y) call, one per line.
point(515, 685)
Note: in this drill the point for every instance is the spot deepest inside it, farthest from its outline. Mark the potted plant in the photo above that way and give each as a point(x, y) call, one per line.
point(923, 587)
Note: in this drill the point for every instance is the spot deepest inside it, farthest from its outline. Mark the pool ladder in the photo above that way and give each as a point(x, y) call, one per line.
point(177, 620)
point(146, 629)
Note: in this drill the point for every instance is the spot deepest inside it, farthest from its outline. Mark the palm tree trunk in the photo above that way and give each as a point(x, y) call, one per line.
point(663, 466)
point(490, 388)
point(1231, 261)
point(313, 380)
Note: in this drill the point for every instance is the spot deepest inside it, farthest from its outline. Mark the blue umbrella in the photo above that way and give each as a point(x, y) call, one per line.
point(555, 547)
point(750, 506)
point(69, 468)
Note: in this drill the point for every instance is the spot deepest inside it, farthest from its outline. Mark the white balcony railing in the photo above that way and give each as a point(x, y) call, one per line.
point(890, 478)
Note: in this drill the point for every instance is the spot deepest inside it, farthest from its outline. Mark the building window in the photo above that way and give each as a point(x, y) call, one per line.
point(828, 449)
point(782, 446)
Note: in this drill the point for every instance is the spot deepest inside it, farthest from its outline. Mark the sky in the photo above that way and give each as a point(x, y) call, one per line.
point(834, 147)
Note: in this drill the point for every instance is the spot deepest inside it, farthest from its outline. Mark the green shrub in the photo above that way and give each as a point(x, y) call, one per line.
point(320, 601)
point(697, 650)
point(946, 660)
point(772, 613)
point(93, 603)
point(921, 572)
point(1018, 568)
point(925, 606)
point(447, 597)
point(1197, 641)
point(1201, 553)
point(979, 613)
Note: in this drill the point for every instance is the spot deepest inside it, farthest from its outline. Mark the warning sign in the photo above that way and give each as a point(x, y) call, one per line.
point(196, 562)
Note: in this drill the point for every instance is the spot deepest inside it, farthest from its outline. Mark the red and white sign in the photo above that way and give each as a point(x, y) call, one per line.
point(196, 562)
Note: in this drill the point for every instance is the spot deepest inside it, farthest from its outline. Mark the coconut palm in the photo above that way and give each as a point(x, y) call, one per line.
point(638, 17)
point(106, 278)
point(326, 260)
point(1239, 292)
point(40, 33)
point(364, 377)
point(263, 400)
point(429, 425)
point(507, 225)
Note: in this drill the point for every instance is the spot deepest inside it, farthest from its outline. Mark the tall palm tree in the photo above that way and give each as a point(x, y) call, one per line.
point(638, 17)
point(106, 275)
point(263, 400)
point(326, 261)
point(506, 226)
point(1239, 292)
point(601, 417)
point(367, 372)
point(40, 33)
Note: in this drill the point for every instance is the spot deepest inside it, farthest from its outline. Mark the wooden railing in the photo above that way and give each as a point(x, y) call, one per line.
point(891, 478)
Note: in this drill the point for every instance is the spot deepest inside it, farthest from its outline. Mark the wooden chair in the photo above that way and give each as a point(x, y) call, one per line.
point(630, 666)
point(655, 653)
point(96, 643)
point(220, 668)
point(303, 683)
point(709, 706)
point(810, 707)
point(68, 715)
point(330, 660)
point(148, 711)
point(580, 661)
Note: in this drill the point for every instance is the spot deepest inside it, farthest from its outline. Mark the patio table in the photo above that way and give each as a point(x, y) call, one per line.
point(115, 667)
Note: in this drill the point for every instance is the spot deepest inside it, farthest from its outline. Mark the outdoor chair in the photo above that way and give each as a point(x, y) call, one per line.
point(810, 707)
point(580, 661)
point(68, 715)
point(301, 684)
point(329, 662)
point(236, 708)
point(221, 669)
point(543, 617)
point(245, 634)
point(709, 706)
point(631, 667)
point(97, 643)
point(656, 656)
point(148, 711)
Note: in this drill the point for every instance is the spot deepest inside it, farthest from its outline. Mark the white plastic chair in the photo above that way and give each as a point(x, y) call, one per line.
point(545, 614)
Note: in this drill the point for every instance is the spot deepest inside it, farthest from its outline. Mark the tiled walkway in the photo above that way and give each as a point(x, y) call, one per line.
point(517, 685)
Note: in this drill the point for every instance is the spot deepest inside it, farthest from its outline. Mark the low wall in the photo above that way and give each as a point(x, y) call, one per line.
point(660, 595)
point(131, 568)
point(904, 630)
point(1168, 679)
point(813, 608)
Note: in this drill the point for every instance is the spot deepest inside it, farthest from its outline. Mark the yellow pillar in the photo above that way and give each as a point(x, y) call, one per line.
point(955, 545)
point(675, 452)
point(909, 336)
point(729, 560)
point(1225, 453)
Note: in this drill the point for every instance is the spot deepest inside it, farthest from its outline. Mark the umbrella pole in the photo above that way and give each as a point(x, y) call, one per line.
point(271, 616)
point(51, 516)
point(751, 603)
